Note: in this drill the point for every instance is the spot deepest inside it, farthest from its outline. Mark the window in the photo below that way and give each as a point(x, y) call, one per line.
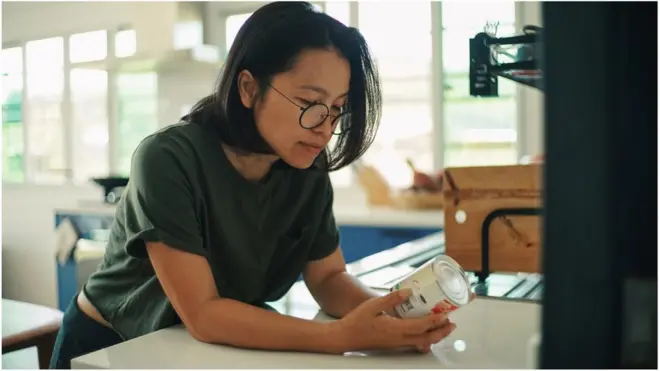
point(234, 22)
point(232, 26)
point(137, 115)
point(12, 115)
point(403, 55)
point(188, 34)
point(45, 82)
point(125, 43)
point(88, 46)
point(89, 117)
point(339, 10)
point(477, 131)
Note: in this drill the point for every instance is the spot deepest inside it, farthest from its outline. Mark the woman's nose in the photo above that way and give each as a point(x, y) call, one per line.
point(325, 128)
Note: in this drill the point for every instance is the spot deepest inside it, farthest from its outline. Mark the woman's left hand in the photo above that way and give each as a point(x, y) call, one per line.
point(444, 307)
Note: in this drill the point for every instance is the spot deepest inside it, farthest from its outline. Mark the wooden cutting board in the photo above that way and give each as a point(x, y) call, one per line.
point(471, 193)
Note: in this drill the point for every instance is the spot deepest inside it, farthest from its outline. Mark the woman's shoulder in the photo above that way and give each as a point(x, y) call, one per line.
point(183, 135)
point(174, 143)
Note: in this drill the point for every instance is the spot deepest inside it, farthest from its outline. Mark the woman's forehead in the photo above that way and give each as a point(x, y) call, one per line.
point(321, 71)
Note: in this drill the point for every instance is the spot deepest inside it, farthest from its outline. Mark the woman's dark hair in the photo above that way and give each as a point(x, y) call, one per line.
point(268, 44)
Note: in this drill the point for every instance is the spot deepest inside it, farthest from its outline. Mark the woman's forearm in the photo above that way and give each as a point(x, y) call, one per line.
point(341, 293)
point(230, 322)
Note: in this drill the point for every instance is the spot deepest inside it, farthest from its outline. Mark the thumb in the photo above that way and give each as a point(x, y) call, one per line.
point(387, 302)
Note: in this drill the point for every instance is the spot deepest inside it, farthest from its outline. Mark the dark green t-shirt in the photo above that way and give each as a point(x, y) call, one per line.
point(184, 192)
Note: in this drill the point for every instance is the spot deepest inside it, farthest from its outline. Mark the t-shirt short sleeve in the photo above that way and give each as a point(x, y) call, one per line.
point(326, 240)
point(159, 202)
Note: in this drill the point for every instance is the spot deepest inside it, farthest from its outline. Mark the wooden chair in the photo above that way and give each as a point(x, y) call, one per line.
point(26, 325)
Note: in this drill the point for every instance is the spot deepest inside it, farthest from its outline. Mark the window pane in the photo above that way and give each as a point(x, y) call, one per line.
point(45, 83)
point(339, 10)
point(12, 60)
point(477, 13)
point(233, 25)
point(44, 63)
point(46, 151)
point(137, 84)
point(477, 131)
point(137, 114)
point(480, 132)
point(406, 89)
point(125, 43)
point(12, 115)
point(404, 133)
point(88, 46)
point(400, 49)
point(89, 92)
point(403, 54)
point(45, 129)
point(46, 54)
point(188, 34)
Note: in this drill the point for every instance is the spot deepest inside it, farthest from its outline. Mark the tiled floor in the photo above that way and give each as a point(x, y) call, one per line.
point(25, 359)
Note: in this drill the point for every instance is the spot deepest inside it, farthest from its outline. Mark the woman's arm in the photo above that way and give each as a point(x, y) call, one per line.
point(188, 282)
point(336, 291)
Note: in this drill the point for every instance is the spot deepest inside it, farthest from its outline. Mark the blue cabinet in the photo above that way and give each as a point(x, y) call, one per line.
point(361, 241)
point(71, 275)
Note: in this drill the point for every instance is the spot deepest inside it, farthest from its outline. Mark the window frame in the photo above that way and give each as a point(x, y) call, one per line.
point(529, 125)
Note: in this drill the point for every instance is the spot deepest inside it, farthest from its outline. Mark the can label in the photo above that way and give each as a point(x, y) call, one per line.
point(438, 286)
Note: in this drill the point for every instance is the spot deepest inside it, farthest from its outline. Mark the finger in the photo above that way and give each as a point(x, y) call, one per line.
point(417, 326)
point(435, 336)
point(387, 302)
point(426, 348)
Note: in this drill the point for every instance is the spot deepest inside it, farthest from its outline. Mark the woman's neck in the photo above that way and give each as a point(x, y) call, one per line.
point(252, 167)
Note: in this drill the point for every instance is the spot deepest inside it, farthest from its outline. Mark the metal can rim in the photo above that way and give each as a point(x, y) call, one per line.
point(453, 264)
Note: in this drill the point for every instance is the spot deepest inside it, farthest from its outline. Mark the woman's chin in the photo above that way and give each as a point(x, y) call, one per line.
point(299, 162)
point(301, 158)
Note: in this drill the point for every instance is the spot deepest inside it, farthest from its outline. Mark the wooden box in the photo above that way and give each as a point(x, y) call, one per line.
point(471, 194)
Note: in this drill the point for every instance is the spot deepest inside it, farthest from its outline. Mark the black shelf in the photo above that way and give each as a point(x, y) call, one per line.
point(487, 64)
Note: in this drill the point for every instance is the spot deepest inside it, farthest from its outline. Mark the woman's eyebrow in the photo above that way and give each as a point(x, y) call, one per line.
point(320, 90)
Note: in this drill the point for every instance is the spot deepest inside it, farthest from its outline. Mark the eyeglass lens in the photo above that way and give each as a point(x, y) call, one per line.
point(315, 114)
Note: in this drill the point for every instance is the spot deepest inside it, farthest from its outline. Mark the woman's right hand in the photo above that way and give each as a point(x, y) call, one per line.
point(368, 327)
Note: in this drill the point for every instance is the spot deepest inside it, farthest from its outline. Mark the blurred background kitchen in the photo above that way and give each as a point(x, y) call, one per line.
point(84, 82)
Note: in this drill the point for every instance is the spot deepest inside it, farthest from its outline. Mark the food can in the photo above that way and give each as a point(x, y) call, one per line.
point(438, 286)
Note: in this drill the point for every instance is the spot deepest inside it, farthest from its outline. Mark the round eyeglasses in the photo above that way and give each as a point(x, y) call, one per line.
point(315, 114)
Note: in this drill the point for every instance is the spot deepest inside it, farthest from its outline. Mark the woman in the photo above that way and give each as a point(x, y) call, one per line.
point(226, 209)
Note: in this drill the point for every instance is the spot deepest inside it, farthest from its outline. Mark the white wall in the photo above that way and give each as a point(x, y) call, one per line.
point(28, 261)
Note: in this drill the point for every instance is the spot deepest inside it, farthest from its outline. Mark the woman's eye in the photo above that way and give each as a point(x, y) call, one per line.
point(306, 102)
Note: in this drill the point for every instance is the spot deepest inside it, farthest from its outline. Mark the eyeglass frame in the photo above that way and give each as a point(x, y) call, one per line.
point(305, 109)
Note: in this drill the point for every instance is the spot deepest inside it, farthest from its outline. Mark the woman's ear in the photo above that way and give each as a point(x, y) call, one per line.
point(248, 88)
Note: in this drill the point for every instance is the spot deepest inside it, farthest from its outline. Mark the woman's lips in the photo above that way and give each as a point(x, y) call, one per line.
point(314, 149)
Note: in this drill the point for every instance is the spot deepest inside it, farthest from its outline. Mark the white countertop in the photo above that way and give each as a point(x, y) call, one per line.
point(490, 334)
point(346, 213)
